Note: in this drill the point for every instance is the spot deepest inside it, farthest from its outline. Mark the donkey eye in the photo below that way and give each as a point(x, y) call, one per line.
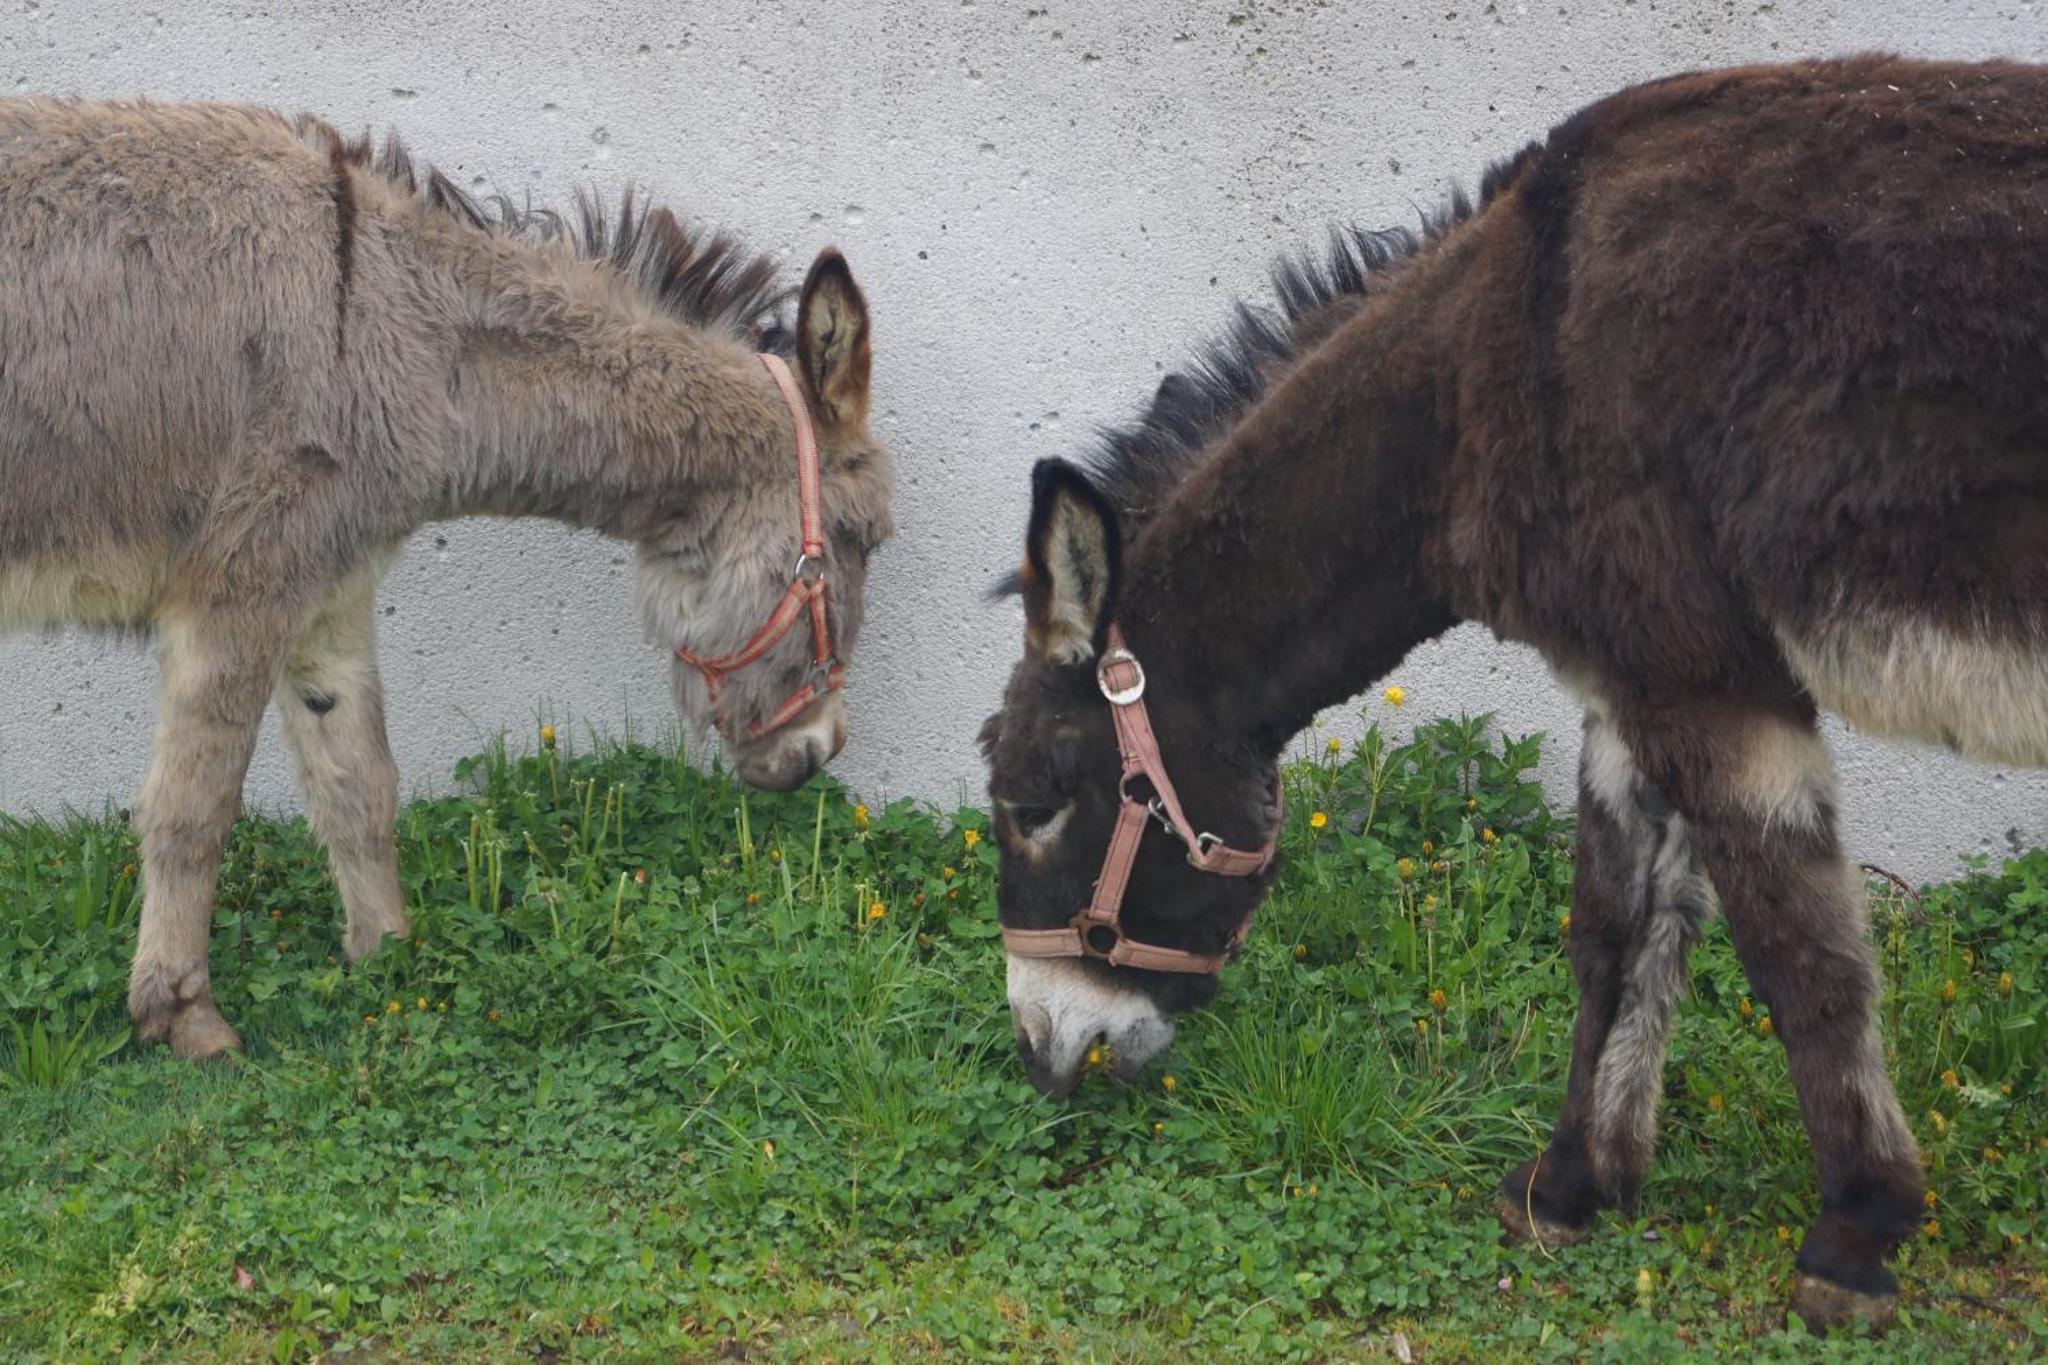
point(1031, 819)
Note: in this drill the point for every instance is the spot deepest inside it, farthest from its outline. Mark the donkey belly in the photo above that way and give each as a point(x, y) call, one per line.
point(118, 589)
point(1984, 697)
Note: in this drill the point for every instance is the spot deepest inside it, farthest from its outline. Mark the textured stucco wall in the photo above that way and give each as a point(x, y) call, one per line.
point(1047, 201)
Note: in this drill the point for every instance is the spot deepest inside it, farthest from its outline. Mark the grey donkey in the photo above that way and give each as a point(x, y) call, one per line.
point(242, 358)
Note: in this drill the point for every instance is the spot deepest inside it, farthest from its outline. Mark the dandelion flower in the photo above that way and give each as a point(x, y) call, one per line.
point(1395, 696)
point(421, 1003)
point(774, 855)
point(1564, 923)
point(1939, 1121)
point(948, 873)
point(1784, 1234)
point(1931, 1228)
point(393, 1007)
point(1317, 820)
point(877, 910)
point(1157, 1129)
point(1438, 1001)
point(1336, 745)
point(1745, 1009)
point(1763, 1026)
point(1714, 1104)
point(547, 736)
point(1428, 847)
point(1405, 869)
point(1168, 1083)
point(491, 1015)
point(1948, 991)
point(1992, 1154)
point(1422, 1027)
point(1471, 803)
point(2004, 984)
point(768, 1149)
point(972, 837)
point(369, 1018)
point(1487, 836)
point(860, 816)
point(1929, 1200)
point(1300, 951)
point(753, 898)
point(1948, 1079)
point(1429, 901)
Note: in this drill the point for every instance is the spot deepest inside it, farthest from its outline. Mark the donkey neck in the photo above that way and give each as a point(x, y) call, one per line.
point(584, 403)
point(1290, 571)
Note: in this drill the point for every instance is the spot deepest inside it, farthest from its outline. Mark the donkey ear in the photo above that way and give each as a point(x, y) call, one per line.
point(832, 340)
point(1072, 560)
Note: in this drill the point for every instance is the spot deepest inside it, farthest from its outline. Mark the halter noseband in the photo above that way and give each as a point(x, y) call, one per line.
point(806, 584)
point(1096, 931)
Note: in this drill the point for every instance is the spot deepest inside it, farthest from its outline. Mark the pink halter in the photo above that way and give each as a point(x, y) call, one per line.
point(806, 585)
point(1096, 931)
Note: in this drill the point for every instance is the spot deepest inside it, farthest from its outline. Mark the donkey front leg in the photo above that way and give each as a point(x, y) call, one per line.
point(1638, 902)
point(331, 708)
point(1758, 793)
point(215, 675)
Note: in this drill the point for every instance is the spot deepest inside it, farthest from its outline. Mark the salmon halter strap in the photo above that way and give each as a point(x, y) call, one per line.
point(1096, 931)
point(806, 585)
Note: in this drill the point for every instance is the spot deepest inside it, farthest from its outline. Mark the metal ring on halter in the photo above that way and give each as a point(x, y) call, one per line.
point(808, 570)
point(1203, 843)
point(821, 672)
point(1120, 696)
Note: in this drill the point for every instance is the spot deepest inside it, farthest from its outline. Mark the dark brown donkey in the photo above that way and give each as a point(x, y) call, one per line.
point(242, 359)
point(1731, 398)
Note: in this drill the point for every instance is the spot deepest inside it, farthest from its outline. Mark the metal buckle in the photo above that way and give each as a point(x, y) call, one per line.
point(808, 570)
point(1120, 696)
point(1204, 843)
point(820, 676)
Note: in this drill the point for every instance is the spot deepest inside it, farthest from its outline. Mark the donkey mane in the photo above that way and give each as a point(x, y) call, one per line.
point(1138, 465)
point(707, 279)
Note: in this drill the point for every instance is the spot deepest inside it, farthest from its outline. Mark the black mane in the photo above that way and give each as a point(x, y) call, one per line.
point(709, 280)
point(1137, 466)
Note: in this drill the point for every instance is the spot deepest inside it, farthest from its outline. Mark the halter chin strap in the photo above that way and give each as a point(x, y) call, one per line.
point(1096, 931)
point(806, 585)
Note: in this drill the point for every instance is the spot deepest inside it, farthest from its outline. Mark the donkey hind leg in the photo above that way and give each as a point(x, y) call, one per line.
point(214, 677)
point(1638, 903)
point(331, 708)
point(1759, 792)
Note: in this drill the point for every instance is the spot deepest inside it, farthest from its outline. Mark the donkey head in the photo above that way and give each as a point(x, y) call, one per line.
point(1055, 779)
point(719, 592)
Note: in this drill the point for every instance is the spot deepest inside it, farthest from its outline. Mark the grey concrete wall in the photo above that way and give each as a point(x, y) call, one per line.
point(1048, 201)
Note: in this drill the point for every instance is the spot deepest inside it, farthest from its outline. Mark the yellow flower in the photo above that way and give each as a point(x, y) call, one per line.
point(491, 1015)
point(1429, 901)
point(1471, 803)
point(1438, 1001)
point(877, 910)
point(1168, 1083)
point(1932, 1228)
point(774, 855)
point(369, 1018)
point(2005, 1089)
point(1422, 1027)
point(1784, 1234)
point(1710, 1210)
point(1939, 1121)
point(768, 1149)
point(860, 816)
point(1395, 696)
point(1428, 847)
point(1929, 1200)
point(1317, 820)
point(442, 1007)
point(639, 876)
point(1744, 1009)
point(547, 736)
point(1948, 992)
point(1948, 1079)
point(1969, 958)
point(2005, 983)
point(1646, 1283)
point(1763, 1026)
point(1993, 1154)
point(1157, 1129)
point(948, 873)
point(392, 1008)
point(1439, 867)
point(1405, 869)
point(1300, 951)
point(1564, 922)
point(1487, 836)
point(421, 1003)
point(1714, 1104)
point(973, 837)
point(1312, 1191)
point(1336, 745)
point(753, 898)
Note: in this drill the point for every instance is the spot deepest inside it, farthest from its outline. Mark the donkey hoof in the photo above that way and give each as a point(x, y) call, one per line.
point(199, 1033)
point(1523, 1223)
point(1822, 1304)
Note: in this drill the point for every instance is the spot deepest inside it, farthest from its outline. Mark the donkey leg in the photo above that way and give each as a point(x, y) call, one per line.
point(1758, 792)
point(331, 708)
point(215, 676)
point(1638, 902)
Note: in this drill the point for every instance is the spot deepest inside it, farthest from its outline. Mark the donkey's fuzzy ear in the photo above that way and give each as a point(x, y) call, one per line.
point(832, 340)
point(1072, 560)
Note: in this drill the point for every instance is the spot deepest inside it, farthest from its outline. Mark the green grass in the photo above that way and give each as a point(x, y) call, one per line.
point(654, 1080)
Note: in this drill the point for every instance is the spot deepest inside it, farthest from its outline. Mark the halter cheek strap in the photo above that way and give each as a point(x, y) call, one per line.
point(1097, 931)
point(806, 590)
